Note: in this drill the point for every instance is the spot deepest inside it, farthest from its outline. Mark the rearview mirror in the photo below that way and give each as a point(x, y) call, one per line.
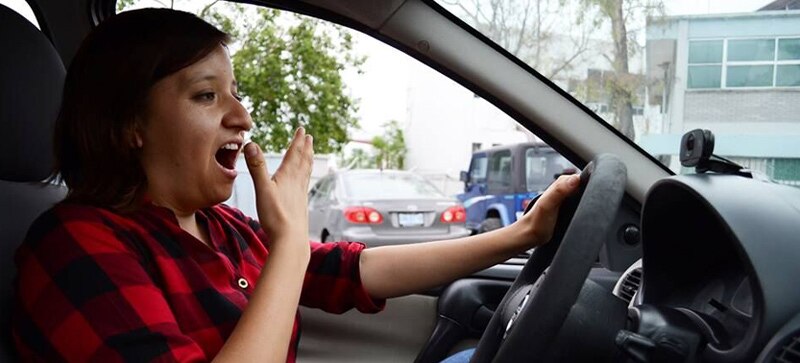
point(464, 176)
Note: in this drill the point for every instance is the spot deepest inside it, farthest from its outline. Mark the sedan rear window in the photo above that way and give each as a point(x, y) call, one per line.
point(389, 186)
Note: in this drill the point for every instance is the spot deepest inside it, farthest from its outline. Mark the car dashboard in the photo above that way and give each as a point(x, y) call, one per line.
point(720, 259)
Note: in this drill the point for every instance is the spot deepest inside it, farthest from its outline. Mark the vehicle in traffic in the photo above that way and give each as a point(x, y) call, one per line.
point(382, 207)
point(503, 180)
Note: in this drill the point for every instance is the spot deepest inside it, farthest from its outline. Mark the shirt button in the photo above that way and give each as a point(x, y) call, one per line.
point(243, 283)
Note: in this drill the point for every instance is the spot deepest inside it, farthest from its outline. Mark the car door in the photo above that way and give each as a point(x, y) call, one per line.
point(499, 186)
point(474, 196)
point(319, 208)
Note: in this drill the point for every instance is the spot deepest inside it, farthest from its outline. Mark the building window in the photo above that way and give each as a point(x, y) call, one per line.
point(786, 171)
point(705, 64)
point(788, 72)
point(737, 63)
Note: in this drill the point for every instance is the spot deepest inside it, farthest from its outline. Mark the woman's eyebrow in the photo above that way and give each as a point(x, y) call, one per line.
point(192, 80)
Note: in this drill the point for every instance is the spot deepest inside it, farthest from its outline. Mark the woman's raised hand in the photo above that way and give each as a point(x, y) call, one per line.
point(282, 199)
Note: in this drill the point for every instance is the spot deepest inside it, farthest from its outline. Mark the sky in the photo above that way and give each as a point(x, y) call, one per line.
point(382, 86)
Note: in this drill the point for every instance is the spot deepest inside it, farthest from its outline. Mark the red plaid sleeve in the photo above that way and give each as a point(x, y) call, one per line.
point(333, 278)
point(101, 303)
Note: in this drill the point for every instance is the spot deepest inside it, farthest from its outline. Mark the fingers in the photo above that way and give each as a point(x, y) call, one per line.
point(552, 198)
point(257, 167)
point(299, 156)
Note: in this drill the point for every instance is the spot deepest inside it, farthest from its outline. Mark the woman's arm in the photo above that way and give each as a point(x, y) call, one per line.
point(403, 269)
point(265, 329)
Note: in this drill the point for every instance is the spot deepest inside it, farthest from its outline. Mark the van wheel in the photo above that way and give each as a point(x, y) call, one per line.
point(490, 224)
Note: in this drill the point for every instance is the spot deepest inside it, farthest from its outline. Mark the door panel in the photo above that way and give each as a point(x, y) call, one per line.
point(401, 331)
point(396, 334)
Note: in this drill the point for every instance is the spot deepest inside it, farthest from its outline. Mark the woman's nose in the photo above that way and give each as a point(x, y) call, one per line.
point(237, 116)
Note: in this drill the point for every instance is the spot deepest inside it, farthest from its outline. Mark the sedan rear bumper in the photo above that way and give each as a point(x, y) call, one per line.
point(371, 239)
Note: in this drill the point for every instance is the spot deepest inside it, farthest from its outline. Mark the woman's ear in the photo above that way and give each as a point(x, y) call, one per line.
point(135, 138)
point(138, 138)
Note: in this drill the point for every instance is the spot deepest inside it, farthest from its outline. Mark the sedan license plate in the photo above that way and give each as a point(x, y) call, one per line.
point(410, 219)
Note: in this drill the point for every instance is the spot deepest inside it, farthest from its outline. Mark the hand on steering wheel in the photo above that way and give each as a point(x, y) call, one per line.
point(538, 302)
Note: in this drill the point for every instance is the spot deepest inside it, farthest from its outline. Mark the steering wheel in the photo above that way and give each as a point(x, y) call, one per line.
point(534, 308)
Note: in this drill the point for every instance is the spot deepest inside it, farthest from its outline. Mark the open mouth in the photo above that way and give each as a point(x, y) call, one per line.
point(226, 155)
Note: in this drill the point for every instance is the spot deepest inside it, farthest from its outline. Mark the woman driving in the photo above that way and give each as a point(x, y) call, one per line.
point(142, 262)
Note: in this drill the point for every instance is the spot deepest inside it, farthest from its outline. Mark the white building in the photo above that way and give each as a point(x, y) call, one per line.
point(735, 74)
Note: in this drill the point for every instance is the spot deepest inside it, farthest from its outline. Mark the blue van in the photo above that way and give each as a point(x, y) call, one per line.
point(501, 181)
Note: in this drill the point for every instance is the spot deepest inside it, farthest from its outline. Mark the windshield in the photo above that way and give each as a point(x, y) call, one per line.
point(657, 69)
point(389, 186)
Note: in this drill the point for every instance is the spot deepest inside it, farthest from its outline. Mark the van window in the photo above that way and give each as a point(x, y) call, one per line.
point(500, 169)
point(535, 170)
point(478, 172)
point(557, 166)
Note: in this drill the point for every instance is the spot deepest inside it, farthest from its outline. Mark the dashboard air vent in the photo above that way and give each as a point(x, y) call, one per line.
point(789, 352)
point(630, 284)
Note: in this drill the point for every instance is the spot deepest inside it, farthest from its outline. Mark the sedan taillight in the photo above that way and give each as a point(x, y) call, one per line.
point(362, 215)
point(455, 214)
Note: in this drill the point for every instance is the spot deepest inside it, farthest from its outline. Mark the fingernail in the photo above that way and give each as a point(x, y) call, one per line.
point(573, 180)
point(250, 151)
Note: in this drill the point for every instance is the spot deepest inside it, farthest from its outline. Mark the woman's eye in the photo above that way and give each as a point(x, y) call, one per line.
point(206, 96)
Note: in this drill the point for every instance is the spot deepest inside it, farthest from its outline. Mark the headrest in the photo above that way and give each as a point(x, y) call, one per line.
point(31, 82)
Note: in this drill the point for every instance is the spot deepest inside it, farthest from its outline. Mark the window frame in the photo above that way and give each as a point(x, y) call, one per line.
point(775, 63)
point(499, 182)
point(483, 161)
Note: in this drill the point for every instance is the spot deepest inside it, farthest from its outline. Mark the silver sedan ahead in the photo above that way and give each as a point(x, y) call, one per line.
point(382, 207)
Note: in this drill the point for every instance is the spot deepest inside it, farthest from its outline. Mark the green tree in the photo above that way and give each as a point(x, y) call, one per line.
point(291, 76)
point(359, 159)
point(122, 4)
point(390, 149)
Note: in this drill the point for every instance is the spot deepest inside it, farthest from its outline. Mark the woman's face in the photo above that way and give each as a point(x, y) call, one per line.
point(192, 133)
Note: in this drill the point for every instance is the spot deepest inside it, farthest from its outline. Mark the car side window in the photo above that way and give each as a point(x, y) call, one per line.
point(477, 173)
point(22, 8)
point(499, 175)
point(312, 194)
point(324, 191)
point(535, 170)
point(558, 165)
point(320, 192)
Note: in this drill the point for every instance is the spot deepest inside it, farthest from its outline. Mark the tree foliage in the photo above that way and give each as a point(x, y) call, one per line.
point(391, 147)
point(291, 76)
point(359, 159)
point(389, 151)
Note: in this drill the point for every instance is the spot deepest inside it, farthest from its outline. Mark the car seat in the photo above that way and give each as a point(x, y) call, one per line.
point(31, 82)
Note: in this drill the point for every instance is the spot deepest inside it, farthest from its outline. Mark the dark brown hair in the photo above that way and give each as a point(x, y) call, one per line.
point(105, 99)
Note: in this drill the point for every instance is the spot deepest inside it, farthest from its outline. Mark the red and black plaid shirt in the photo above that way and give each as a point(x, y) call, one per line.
point(94, 285)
